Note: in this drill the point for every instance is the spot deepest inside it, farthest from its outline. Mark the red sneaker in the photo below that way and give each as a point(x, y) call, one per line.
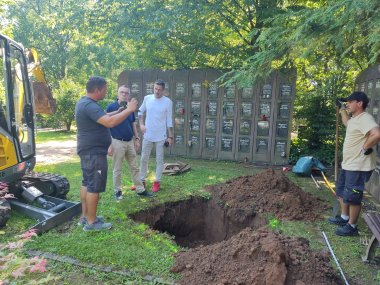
point(156, 186)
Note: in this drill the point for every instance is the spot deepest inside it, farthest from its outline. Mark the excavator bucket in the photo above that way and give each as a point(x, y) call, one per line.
point(43, 99)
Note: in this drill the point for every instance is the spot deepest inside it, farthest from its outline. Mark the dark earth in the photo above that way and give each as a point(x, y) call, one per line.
point(227, 241)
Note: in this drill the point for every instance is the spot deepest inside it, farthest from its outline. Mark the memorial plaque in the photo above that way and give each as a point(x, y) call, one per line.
point(179, 140)
point(245, 127)
point(267, 92)
point(167, 89)
point(229, 109)
point(180, 107)
point(210, 142)
point(246, 109)
point(196, 90)
point(195, 124)
point(213, 90)
point(149, 88)
point(263, 128)
point(362, 86)
point(211, 126)
point(212, 108)
point(135, 88)
point(262, 146)
point(284, 110)
point(196, 107)
point(194, 140)
point(280, 148)
point(377, 87)
point(369, 88)
point(244, 145)
point(264, 110)
point(180, 90)
point(247, 93)
point(226, 144)
point(228, 127)
point(230, 92)
point(282, 129)
point(179, 123)
point(286, 92)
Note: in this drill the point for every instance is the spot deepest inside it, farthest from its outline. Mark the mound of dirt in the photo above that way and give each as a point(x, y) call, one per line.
point(269, 192)
point(255, 257)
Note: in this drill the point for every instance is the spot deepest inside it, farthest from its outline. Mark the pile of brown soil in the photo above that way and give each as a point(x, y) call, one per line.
point(269, 192)
point(255, 257)
point(259, 256)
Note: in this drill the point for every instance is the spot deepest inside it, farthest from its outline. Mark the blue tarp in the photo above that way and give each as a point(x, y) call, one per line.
point(305, 165)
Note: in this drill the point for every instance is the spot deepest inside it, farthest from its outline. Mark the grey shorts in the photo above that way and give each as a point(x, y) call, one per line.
point(94, 171)
point(351, 185)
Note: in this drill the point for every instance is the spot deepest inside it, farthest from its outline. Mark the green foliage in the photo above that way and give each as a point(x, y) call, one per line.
point(67, 94)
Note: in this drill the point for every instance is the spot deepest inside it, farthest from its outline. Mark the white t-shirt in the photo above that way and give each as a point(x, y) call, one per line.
point(356, 135)
point(158, 117)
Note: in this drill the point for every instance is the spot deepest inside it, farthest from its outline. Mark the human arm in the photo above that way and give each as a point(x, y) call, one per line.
point(136, 135)
point(373, 137)
point(110, 121)
point(344, 115)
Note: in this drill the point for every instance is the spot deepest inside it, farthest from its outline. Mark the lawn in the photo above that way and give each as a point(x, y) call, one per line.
point(133, 252)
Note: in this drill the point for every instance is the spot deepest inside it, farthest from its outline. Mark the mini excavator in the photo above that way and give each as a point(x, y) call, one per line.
point(23, 93)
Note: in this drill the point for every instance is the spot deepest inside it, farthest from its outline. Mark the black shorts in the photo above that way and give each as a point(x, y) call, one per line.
point(94, 170)
point(351, 185)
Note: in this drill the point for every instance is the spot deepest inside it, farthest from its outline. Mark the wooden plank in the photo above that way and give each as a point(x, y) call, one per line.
point(373, 222)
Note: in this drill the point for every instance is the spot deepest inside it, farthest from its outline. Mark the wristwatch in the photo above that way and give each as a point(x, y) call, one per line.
point(137, 138)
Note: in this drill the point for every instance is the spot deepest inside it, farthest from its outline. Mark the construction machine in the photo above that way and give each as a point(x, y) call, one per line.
point(24, 92)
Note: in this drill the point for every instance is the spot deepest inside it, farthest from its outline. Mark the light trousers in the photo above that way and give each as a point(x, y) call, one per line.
point(125, 150)
point(147, 147)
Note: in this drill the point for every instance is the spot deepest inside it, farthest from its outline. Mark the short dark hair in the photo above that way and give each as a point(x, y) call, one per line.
point(160, 82)
point(95, 82)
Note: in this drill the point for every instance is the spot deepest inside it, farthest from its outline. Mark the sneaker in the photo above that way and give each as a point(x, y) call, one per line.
point(118, 195)
point(156, 186)
point(145, 194)
point(337, 220)
point(133, 187)
point(83, 220)
point(347, 230)
point(98, 225)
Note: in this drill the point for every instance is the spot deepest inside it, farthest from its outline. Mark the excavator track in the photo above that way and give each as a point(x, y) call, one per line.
point(54, 185)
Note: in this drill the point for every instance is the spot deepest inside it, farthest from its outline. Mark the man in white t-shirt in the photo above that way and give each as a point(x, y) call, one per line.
point(157, 130)
point(359, 160)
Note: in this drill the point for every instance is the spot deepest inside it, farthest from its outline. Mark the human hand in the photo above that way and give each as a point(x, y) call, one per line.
point(110, 151)
point(340, 103)
point(132, 105)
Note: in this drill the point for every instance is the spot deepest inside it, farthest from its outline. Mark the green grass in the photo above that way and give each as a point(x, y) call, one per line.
point(142, 250)
point(45, 136)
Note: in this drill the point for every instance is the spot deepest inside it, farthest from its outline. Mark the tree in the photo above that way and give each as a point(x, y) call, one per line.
point(67, 96)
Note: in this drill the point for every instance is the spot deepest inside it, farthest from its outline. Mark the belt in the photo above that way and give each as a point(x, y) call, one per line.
point(123, 140)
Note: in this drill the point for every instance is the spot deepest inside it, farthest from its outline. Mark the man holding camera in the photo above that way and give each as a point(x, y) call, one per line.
point(125, 142)
point(359, 160)
point(158, 122)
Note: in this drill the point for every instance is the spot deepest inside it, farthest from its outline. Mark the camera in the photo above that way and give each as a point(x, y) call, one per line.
point(166, 144)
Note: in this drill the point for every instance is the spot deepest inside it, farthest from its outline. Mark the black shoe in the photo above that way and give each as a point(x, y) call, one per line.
point(338, 220)
point(118, 195)
point(347, 230)
point(145, 194)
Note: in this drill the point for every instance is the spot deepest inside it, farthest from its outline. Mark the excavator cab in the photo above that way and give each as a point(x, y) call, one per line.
point(17, 144)
point(39, 195)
